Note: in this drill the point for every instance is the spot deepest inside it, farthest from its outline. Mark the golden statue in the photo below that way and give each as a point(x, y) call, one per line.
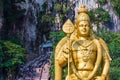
point(87, 55)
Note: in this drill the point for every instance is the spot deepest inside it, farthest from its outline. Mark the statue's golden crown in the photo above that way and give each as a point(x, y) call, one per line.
point(82, 9)
point(82, 14)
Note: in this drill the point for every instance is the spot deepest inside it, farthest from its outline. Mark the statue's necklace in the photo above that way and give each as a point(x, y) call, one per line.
point(85, 51)
point(84, 44)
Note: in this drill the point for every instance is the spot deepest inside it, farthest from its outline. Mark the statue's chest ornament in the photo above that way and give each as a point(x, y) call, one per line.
point(85, 50)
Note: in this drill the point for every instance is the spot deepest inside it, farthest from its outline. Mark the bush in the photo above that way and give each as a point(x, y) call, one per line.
point(56, 36)
point(102, 2)
point(113, 41)
point(115, 73)
point(11, 55)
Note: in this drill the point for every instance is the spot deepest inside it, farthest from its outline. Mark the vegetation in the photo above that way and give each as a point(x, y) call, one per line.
point(62, 9)
point(65, 9)
point(47, 18)
point(113, 41)
point(116, 6)
point(99, 15)
point(102, 2)
point(11, 57)
point(57, 36)
point(58, 7)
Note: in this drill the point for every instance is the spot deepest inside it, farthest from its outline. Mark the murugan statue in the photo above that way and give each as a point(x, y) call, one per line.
point(86, 55)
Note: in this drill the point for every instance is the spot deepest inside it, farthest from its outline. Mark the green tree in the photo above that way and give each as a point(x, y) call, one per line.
point(113, 42)
point(12, 56)
point(98, 16)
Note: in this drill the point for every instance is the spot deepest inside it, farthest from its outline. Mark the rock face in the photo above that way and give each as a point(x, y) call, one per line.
point(27, 24)
point(30, 23)
point(114, 18)
point(22, 18)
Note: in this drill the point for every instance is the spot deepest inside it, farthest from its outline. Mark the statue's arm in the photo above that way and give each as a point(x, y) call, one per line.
point(105, 64)
point(62, 59)
point(64, 53)
point(105, 60)
point(102, 48)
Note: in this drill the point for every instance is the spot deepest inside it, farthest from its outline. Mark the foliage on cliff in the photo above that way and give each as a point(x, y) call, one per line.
point(11, 56)
point(113, 41)
point(57, 36)
point(102, 2)
point(99, 15)
point(116, 6)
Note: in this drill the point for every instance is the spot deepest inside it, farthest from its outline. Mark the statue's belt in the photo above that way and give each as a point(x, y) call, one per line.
point(85, 69)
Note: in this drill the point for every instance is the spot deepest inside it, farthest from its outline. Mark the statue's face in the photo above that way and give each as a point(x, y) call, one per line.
point(84, 28)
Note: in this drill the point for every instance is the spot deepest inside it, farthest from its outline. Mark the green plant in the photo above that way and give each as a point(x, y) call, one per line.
point(47, 18)
point(99, 16)
point(116, 6)
point(12, 55)
point(113, 42)
point(58, 7)
point(65, 9)
point(102, 1)
point(115, 62)
point(115, 73)
point(57, 36)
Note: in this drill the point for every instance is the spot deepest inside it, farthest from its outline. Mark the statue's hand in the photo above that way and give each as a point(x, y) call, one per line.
point(73, 77)
point(66, 50)
point(99, 78)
